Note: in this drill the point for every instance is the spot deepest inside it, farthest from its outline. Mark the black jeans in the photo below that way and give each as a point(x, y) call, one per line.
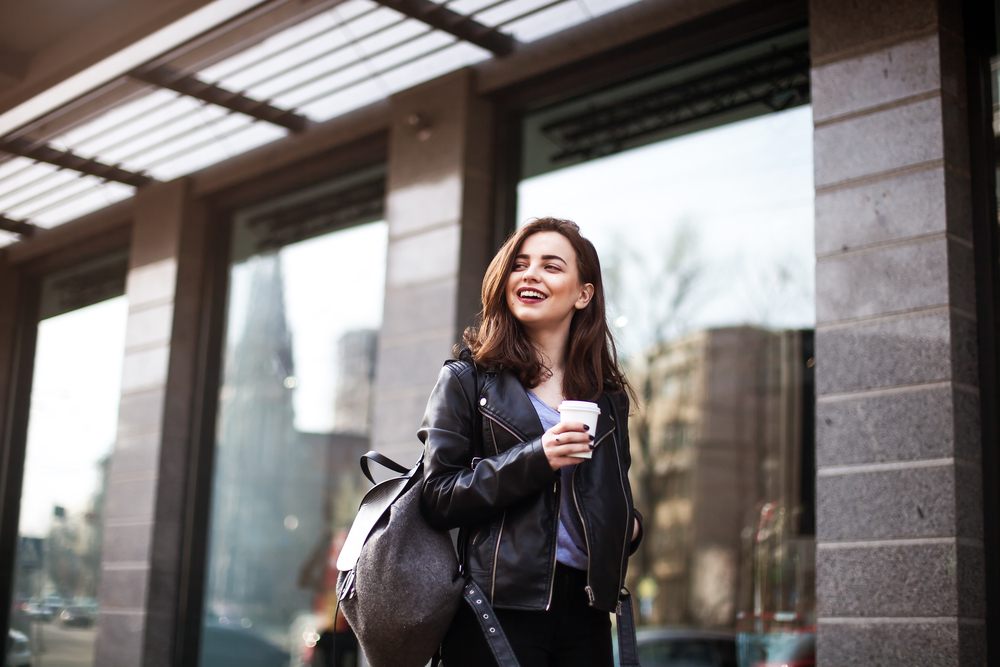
point(569, 634)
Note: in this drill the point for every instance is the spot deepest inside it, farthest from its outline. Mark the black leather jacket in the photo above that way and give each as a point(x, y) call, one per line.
point(487, 475)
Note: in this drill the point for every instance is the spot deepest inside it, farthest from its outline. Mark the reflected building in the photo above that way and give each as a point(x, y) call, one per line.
point(312, 479)
point(722, 430)
point(262, 492)
point(355, 376)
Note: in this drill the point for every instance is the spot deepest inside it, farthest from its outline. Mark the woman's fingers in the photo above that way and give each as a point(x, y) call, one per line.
point(564, 427)
point(563, 440)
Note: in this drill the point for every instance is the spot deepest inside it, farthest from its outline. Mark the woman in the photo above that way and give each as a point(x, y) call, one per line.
point(546, 534)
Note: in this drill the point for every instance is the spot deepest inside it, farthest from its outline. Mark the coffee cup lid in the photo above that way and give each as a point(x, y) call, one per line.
point(579, 405)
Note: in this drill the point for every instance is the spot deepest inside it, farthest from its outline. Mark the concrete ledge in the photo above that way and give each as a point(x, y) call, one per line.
point(930, 422)
point(908, 503)
point(908, 580)
point(875, 78)
point(947, 642)
point(903, 350)
point(864, 146)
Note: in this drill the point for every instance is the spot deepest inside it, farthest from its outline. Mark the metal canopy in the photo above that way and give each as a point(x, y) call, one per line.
point(461, 26)
point(185, 84)
point(17, 226)
point(41, 152)
point(269, 72)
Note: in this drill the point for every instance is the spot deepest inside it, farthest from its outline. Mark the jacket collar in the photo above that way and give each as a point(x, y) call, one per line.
point(504, 399)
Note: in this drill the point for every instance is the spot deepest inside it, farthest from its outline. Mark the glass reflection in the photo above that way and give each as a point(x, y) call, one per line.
point(706, 242)
point(293, 421)
point(71, 430)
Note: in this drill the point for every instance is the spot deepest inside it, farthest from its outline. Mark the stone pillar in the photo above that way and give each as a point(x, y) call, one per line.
point(147, 476)
point(440, 232)
point(899, 500)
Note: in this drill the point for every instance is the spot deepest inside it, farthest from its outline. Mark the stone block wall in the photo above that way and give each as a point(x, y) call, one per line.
point(899, 498)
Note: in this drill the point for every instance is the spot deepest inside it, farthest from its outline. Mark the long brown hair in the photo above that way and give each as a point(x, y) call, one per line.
point(499, 340)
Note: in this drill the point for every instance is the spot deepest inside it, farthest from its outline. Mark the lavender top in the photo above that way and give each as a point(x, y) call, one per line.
point(571, 545)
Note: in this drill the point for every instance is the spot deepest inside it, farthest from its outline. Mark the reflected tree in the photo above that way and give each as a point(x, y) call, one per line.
point(654, 291)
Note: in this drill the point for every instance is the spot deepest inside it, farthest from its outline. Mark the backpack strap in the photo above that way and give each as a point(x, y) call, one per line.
point(383, 461)
point(490, 624)
point(628, 648)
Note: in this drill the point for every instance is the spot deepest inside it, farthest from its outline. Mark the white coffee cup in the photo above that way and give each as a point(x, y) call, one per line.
point(581, 411)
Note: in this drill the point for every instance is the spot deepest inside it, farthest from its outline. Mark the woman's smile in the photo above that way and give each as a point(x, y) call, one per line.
point(530, 295)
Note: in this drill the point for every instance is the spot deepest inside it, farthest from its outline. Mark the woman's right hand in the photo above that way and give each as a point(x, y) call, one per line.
point(563, 439)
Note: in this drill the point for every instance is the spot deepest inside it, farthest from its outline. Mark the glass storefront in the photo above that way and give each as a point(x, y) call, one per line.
point(304, 310)
point(696, 186)
point(72, 425)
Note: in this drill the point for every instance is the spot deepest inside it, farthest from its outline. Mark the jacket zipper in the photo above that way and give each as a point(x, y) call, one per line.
point(499, 423)
point(496, 556)
point(555, 530)
point(503, 520)
point(604, 437)
point(555, 536)
point(586, 538)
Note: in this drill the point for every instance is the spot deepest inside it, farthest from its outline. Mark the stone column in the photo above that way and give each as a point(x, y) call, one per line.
point(440, 232)
point(899, 499)
point(147, 476)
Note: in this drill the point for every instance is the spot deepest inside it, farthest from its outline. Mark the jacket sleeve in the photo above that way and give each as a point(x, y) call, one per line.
point(455, 494)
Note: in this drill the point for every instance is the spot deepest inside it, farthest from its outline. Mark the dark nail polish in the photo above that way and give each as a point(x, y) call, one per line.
point(592, 445)
point(591, 438)
point(586, 427)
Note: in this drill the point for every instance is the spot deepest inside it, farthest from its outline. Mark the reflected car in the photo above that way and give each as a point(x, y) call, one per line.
point(234, 646)
point(76, 616)
point(38, 612)
point(18, 650)
point(684, 647)
point(788, 649)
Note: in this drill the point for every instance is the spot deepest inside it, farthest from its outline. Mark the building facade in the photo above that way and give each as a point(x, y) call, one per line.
point(234, 265)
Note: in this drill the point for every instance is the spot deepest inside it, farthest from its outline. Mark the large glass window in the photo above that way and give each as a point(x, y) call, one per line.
point(696, 186)
point(304, 310)
point(72, 424)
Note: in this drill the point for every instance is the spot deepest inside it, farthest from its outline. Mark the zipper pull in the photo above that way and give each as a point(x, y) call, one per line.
point(347, 590)
point(590, 595)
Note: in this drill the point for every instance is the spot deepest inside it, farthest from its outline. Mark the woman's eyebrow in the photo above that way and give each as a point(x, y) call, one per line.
point(544, 257)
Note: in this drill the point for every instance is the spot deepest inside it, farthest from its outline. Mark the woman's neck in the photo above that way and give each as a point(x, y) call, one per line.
point(551, 347)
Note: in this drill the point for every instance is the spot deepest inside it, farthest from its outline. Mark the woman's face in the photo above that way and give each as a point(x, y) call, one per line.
point(544, 288)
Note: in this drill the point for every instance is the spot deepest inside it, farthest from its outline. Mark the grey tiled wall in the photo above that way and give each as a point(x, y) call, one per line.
point(440, 227)
point(899, 500)
point(140, 559)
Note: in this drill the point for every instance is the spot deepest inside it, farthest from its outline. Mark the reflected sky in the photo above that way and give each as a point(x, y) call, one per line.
point(331, 285)
point(738, 198)
point(74, 410)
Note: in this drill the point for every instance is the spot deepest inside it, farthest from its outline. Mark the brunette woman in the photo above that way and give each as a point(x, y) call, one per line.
point(546, 535)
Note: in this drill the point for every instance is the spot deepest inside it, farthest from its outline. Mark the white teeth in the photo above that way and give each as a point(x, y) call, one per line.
point(531, 294)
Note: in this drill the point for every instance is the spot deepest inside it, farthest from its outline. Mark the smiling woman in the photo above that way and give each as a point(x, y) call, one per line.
point(544, 508)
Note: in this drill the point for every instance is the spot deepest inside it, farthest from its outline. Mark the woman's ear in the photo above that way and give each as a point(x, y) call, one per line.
point(586, 294)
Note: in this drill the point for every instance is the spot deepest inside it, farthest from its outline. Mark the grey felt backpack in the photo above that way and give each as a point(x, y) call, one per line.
point(399, 583)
